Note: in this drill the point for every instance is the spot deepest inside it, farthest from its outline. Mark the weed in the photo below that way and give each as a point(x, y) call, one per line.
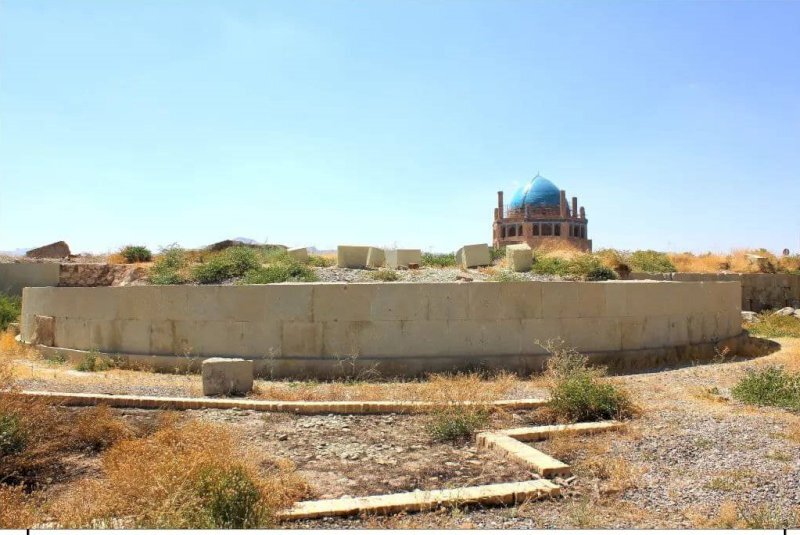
point(385, 275)
point(287, 271)
point(13, 437)
point(579, 393)
point(169, 266)
point(439, 259)
point(456, 422)
point(600, 273)
point(506, 276)
point(769, 325)
point(780, 456)
point(93, 362)
point(650, 261)
point(231, 263)
point(547, 265)
point(771, 385)
point(497, 253)
point(10, 309)
point(320, 261)
point(136, 253)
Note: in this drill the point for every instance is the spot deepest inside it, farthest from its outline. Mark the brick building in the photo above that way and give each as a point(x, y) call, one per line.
point(538, 215)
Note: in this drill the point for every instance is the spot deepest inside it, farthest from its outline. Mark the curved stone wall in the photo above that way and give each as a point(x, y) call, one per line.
point(323, 330)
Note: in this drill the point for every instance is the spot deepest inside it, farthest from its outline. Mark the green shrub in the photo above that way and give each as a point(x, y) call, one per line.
point(229, 499)
point(12, 435)
point(287, 271)
point(549, 265)
point(771, 386)
point(770, 326)
point(231, 263)
point(10, 309)
point(385, 275)
point(93, 362)
point(650, 262)
point(600, 273)
point(584, 397)
point(213, 271)
point(579, 392)
point(439, 259)
point(456, 422)
point(320, 261)
point(167, 268)
point(136, 253)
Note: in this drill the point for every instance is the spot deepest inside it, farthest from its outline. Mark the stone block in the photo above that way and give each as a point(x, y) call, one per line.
point(58, 249)
point(519, 257)
point(474, 255)
point(44, 330)
point(227, 376)
point(352, 256)
point(375, 257)
point(396, 258)
point(298, 253)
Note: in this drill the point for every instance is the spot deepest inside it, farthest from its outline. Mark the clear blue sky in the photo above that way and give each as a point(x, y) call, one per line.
point(677, 124)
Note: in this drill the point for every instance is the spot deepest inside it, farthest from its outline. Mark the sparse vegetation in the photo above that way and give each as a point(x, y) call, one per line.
point(10, 309)
point(770, 385)
point(169, 267)
point(320, 261)
point(136, 253)
point(285, 271)
point(769, 325)
point(579, 392)
point(650, 261)
point(582, 266)
point(203, 482)
point(456, 422)
point(93, 362)
point(439, 259)
point(504, 275)
point(385, 275)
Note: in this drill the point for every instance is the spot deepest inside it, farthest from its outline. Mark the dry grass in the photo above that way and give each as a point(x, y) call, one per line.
point(731, 515)
point(197, 478)
point(97, 428)
point(18, 509)
point(438, 387)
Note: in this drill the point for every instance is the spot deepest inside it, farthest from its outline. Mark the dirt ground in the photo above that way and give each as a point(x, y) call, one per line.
point(693, 458)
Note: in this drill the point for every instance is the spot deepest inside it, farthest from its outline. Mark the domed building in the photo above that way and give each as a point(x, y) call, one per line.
point(539, 214)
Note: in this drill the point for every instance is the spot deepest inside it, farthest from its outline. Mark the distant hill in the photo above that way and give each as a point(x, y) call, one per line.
point(248, 241)
point(15, 252)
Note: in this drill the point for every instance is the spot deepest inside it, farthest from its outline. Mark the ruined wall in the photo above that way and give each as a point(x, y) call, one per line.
point(90, 275)
point(760, 291)
point(15, 277)
point(400, 328)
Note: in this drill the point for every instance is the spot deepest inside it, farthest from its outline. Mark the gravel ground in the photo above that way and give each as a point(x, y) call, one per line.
point(693, 458)
point(423, 274)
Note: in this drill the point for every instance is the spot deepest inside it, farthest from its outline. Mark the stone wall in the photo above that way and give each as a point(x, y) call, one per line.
point(323, 330)
point(14, 277)
point(760, 291)
point(90, 275)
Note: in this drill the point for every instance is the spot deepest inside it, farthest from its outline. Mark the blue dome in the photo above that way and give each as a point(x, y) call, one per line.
point(538, 192)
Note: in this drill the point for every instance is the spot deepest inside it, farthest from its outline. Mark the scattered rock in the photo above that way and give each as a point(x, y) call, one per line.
point(283, 437)
point(465, 278)
point(785, 311)
point(750, 317)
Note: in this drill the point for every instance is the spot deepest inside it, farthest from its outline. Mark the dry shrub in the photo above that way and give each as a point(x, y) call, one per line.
point(465, 400)
point(18, 510)
point(617, 474)
point(185, 475)
point(97, 428)
point(33, 438)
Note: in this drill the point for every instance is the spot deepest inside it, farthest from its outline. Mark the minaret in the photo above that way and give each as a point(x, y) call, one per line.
point(500, 205)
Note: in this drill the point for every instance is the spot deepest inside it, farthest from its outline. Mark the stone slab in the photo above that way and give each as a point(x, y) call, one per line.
point(352, 256)
point(474, 255)
point(227, 376)
point(543, 464)
point(396, 258)
point(501, 493)
point(298, 253)
point(519, 257)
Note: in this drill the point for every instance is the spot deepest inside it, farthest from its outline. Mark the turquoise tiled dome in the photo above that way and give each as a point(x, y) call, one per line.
point(538, 192)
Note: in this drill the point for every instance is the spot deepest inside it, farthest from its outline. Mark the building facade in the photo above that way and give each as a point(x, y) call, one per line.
point(539, 215)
